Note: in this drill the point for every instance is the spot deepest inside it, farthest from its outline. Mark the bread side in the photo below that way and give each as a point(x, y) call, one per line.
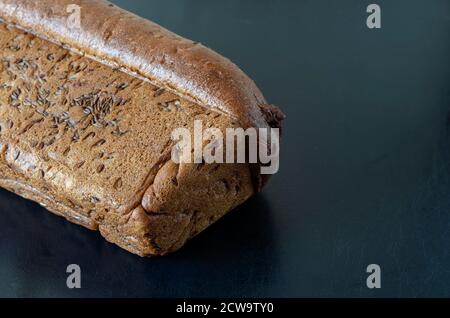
point(92, 144)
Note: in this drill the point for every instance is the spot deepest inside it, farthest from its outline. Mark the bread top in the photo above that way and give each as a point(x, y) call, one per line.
point(123, 40)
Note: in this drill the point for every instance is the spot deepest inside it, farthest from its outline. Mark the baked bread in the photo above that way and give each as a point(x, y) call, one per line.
point(86, 115)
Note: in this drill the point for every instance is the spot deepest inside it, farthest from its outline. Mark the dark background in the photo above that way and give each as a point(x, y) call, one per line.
point(365, 166)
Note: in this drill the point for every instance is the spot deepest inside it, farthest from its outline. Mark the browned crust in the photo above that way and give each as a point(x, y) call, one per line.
point(168, 214)
point(171, 214)
point(118, 37)
point(48, 202)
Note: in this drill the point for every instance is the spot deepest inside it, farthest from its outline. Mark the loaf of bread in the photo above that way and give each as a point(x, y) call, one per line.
point(86, 115)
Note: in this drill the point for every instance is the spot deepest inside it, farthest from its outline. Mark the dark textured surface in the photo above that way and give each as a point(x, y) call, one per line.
point(365, 171)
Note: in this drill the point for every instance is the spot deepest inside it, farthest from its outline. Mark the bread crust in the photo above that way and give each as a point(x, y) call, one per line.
point(122, 39)
point(168, 203)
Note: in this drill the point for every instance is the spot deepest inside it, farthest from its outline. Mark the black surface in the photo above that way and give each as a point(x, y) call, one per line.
point(365, 174)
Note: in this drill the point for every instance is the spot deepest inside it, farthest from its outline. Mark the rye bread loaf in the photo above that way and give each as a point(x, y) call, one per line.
point(86, 116)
